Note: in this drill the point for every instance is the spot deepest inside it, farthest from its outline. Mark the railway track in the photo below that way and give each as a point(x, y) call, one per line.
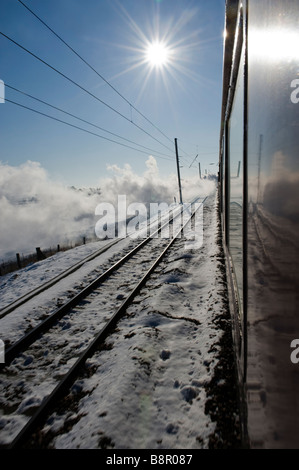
point(25, 312)
point(52, 354)
point(46, 285)
point(20, 301)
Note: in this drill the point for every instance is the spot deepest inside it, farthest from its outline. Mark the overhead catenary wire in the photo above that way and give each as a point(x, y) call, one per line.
point(193, 161)
point(81, 128)
point(97, 73)
point(82, 120)
point(82, 88)
point(94, 70)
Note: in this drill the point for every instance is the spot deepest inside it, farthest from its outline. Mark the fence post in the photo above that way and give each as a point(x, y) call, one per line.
point(40, 254)
point(18, 260)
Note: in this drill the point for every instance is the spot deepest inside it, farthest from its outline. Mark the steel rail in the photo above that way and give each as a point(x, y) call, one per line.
point(71, 375)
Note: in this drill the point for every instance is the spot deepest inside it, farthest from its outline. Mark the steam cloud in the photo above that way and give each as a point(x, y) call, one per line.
point(36, 211)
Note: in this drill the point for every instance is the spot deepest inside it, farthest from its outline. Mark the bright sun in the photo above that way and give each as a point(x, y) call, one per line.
point(157, 54)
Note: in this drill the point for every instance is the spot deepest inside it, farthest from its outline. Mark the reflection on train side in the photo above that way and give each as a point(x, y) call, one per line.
point(259, 176)
point(273, 242)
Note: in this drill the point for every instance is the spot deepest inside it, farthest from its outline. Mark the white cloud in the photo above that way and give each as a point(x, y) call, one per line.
point(36, 211)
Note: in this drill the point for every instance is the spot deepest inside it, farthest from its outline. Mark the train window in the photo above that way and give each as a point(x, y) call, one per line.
point(235, 197)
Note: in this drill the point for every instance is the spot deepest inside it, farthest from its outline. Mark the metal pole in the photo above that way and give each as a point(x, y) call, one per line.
point(178, 168)
point(259, 167)
point(239, 166)
point(199, 170)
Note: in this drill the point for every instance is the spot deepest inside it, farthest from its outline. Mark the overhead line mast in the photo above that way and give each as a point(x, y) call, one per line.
point(178, 169)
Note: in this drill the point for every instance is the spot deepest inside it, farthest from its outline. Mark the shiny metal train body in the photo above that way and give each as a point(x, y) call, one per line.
point(259, 188)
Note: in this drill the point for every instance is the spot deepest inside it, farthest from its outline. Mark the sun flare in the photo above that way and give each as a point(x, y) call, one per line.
point(157, 55)
point(161, 51)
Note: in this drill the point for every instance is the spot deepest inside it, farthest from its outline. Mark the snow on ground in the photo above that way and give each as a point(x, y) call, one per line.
point(165, 378)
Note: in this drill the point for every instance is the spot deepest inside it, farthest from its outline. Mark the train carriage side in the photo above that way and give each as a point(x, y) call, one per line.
point(259, 187)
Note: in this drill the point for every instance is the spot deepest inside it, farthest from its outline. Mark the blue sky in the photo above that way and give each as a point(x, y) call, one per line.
point(182, 98)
